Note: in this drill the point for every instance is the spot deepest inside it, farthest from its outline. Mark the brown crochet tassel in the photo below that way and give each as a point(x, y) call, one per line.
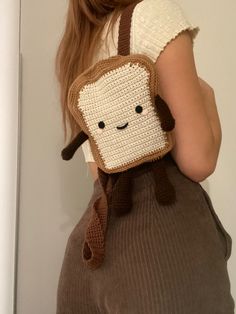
point(165, 192)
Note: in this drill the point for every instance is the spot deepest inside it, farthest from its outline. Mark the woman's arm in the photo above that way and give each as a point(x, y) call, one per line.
point(212, 113)
point(192, 103)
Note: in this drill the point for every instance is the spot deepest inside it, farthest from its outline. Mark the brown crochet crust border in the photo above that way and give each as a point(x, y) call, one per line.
point(92, 74)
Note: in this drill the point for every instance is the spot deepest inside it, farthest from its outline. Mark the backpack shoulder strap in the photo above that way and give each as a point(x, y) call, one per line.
point(124, 29)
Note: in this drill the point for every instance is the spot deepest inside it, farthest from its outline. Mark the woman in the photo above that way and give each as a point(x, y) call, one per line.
point(159, 259)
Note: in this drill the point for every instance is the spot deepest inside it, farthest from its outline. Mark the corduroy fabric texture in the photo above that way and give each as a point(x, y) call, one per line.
point(159, 259)
point(117, 198)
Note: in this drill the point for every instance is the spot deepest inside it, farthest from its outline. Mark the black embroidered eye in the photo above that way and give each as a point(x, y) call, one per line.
point(139, 109)
point(101, 125)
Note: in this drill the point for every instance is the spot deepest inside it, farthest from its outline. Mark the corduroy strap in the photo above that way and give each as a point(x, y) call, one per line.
point(124, 29)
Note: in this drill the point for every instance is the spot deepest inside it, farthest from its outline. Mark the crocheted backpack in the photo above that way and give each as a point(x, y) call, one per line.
point(117, 107)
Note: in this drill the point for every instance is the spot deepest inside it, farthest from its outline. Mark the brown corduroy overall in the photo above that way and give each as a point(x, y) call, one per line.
point(158, 260)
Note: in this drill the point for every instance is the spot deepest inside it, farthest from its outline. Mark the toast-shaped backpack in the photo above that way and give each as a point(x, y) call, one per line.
point(129, 127)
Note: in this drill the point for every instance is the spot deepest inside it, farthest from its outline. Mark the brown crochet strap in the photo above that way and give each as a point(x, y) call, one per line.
point(93, 251)
point(124, 30)
point(94, 244)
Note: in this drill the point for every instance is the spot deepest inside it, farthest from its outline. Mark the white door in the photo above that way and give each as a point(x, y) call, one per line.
point(9, 152)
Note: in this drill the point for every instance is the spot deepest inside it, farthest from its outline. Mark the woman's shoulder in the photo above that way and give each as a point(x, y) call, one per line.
point(155, 23)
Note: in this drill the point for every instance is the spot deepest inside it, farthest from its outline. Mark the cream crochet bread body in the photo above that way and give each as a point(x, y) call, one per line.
point(154, 24)
point(115, 103)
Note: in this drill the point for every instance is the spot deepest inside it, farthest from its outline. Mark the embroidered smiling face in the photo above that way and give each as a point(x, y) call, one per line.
point(116, 109)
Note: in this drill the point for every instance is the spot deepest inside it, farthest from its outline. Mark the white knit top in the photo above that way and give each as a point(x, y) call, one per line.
point(154, 24)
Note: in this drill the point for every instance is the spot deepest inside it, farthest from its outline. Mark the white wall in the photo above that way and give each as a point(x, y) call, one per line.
point(9, 65)
point(54, 193)
point(52, 196)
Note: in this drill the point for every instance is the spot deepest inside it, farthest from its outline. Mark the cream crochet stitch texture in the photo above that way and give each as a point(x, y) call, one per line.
point(133, 127)
point(154, 24)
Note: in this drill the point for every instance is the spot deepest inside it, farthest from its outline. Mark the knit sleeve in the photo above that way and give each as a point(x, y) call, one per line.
point(155, 23)
point(88, 156)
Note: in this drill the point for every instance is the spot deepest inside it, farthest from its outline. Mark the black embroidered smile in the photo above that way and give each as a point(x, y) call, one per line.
point(122, 127)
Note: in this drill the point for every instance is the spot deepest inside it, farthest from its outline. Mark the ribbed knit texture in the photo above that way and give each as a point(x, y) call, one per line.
point(159, 259)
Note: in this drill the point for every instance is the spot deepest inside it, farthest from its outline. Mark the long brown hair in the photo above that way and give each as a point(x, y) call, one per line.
point(84, 24)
